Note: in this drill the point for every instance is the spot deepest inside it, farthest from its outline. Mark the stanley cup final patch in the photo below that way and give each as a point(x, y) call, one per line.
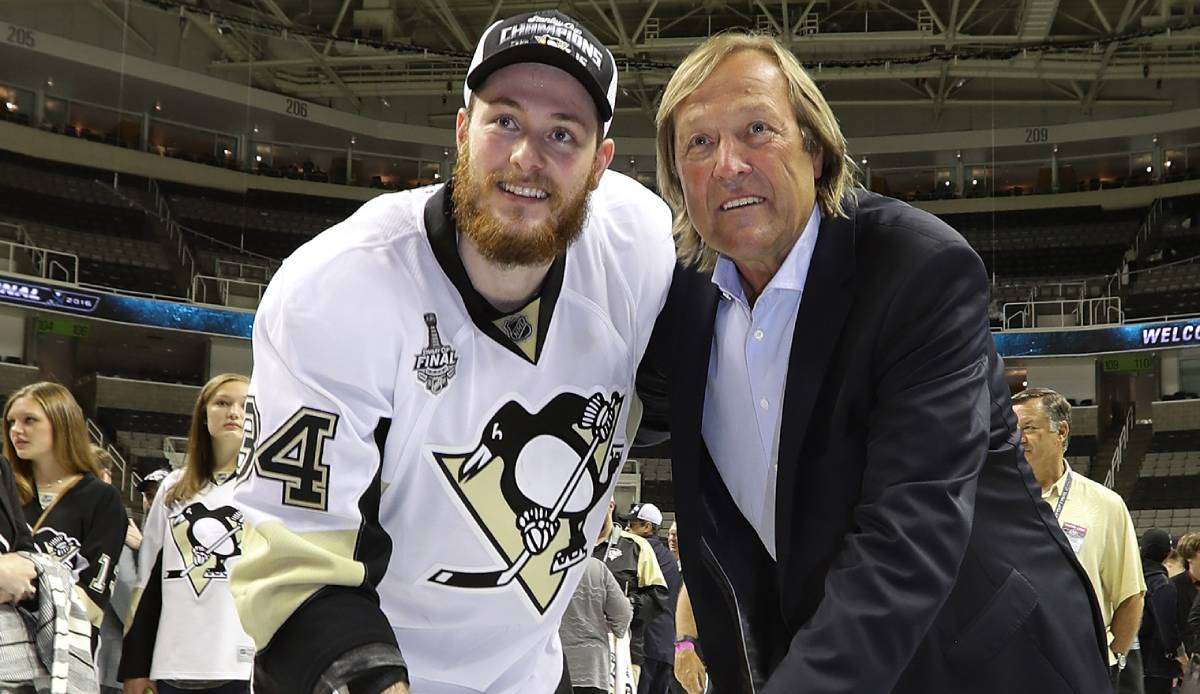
point(529, 482)
point(436, 364)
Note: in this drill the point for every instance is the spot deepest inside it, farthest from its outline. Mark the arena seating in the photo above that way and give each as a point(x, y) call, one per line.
point(1167, 494)
point(261, 223)
point(69, 209)
point(1166, 281)
point(139, 434)
point(656, 483)
point(1055, 243)
point(1080, 463)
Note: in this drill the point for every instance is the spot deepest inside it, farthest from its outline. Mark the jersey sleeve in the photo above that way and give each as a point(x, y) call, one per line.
point(145, 605)
point(644, 251)
point(642, 247)
point(101, 546)
point(309, 477)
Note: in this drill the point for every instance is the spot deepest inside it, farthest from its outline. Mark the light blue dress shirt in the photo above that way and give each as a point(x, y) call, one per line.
point(746, 376)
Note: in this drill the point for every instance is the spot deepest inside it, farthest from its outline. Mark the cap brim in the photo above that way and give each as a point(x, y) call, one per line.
point(546, 55)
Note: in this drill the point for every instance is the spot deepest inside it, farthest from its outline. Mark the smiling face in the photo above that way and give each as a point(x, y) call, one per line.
point(224, 412)
point(29, 429)
point(749, 183)
point(527, 162)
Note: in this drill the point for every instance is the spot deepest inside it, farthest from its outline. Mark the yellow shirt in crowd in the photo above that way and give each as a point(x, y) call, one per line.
point(1100, 530)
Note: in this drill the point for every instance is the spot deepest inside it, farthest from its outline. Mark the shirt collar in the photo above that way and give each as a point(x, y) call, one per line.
point(1056, 488)
point(791, 275)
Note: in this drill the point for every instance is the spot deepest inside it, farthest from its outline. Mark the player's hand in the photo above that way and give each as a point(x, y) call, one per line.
point(690, 671)
point(17, 575)
point(398, 688)
point(141, 685)
point(133, 537)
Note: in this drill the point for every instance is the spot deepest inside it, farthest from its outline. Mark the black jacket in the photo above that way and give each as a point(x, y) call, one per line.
point(1158, 636)
point(660, 631)
point(915, 553)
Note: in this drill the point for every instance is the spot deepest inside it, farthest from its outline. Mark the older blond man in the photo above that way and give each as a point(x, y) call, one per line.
point(855, 514)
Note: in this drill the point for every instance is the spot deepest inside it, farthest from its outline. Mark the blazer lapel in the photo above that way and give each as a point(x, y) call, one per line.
point(694, 337)
point(828, 292)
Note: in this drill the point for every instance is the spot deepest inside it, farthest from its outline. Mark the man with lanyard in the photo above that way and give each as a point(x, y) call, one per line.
point(1095, 521)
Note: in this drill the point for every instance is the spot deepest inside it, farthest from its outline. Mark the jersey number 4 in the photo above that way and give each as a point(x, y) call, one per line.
point(293, 456)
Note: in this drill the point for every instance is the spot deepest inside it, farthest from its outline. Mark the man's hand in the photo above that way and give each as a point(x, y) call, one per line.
point(17, 575)
point(140, 685)
point(398, 688)
point(690, 671)
point(133, 536)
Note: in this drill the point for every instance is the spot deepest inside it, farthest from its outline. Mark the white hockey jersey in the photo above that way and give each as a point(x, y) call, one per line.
point(183, 624)
point(407, 441)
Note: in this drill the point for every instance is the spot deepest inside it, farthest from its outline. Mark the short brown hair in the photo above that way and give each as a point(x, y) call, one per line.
point(104, 460)
point(1056, 407)
point(813, 114)
point(1188, 546)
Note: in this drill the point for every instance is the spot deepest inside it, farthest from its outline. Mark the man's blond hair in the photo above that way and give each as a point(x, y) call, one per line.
point(1189, 546)
point(813, 115)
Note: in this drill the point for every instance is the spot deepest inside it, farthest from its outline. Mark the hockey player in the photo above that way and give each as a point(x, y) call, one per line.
point(443, 395)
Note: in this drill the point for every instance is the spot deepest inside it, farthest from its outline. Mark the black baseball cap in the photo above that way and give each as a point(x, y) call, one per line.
point(551, 38)
point(1156, 544)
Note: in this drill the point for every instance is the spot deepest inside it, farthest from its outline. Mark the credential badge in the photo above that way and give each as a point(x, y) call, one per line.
point(435, 365)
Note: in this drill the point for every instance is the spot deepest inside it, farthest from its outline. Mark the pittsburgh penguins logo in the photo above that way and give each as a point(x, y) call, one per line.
point(529, 483)
point(206, 540)
point(62, 547)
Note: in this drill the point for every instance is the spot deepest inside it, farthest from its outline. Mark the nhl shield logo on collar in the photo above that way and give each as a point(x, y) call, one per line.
point(435, 365)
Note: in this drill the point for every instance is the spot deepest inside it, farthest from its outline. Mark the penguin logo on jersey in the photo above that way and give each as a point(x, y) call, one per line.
point(62, 547)
point(436, 364)
point(529, 483)
point(206, 539)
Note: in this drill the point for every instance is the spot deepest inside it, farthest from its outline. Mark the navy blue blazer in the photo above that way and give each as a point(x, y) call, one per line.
point(915, 553)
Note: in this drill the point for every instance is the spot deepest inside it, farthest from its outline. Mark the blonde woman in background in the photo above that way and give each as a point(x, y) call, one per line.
point(75, 517)
point(184, 634)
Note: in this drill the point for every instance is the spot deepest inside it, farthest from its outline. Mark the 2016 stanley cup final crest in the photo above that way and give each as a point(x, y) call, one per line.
point(436, 364)
point(529, 483)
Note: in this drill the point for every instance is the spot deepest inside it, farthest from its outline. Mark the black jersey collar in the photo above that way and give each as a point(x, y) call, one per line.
point(443, 238)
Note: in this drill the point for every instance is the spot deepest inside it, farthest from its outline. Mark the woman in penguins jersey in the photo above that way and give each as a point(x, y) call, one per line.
point(184, 634)
point(75, 517)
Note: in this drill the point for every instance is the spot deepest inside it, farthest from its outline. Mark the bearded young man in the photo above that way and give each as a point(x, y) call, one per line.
point(443, 395)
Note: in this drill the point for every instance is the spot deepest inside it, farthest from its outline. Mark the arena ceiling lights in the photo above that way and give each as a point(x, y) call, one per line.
point(1067, 48)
